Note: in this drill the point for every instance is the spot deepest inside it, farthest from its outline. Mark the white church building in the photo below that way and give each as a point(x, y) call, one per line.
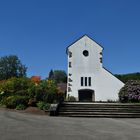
point(88, 80)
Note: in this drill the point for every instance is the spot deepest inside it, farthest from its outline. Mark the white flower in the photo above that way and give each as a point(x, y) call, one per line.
point(2, 92)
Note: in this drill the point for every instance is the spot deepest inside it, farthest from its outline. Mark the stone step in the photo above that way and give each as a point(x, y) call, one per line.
point(133, 106)
point(90, 103)
point(102, 108)
point(101, 113)
point(103, 116)
point(111, 110)
point(135, 111)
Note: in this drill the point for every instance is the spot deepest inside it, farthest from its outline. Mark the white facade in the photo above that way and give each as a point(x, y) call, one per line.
point(87, 78)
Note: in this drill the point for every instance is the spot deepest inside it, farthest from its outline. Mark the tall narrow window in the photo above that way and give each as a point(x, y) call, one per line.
point(69, 89)
point(70, 54)
point(70, 80)
point(89, 81)
point(69, 84)
point(101, 60)
point(70, 74)
point(82, 81)
point(85, 81)
point(69, 64)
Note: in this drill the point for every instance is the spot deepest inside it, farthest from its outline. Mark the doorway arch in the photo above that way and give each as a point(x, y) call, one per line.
point(86, 95)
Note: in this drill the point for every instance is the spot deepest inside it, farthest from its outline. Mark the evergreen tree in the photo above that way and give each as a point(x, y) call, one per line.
point(51, 74)
point(59, 76)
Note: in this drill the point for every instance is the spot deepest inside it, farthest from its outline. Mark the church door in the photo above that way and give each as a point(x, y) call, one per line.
point(86, 95)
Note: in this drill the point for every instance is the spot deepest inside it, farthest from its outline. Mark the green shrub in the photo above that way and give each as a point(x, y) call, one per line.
point(32, 102)
point(15, 86)
point(22, 92)
point(12, 89)
point(21, 107)
point(43, 106)
point(1, 96)
point(39, 94)
point(13, 101)
point(71, 98)
point(46, 106)
point(111, 101)
point(45, 91)
point(40, 105)
point(50, 98)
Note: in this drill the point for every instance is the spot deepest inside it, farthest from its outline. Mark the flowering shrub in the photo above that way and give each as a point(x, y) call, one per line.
point(15, 86)
point(12, 91)
point(130, 92)
point(36, 79)
point(14, 101)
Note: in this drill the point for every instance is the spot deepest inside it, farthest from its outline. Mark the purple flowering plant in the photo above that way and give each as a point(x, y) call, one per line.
point(130, 92)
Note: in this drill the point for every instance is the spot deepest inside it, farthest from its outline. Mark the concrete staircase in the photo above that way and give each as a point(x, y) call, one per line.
point(107, 110)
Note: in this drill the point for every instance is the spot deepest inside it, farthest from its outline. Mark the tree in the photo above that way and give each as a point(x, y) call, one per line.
point(51, 74)
point(11, 66)
point(130, 76)
point(59, 76)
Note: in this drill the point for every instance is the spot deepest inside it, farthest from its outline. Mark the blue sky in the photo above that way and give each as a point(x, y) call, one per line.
point(38, 31)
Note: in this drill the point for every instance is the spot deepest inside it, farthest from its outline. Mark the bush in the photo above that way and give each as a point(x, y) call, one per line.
point(126, 77)
point(43, 106)
point(45, 91)
point(60, 97)
point(46, 107)
point(12, 92)
point(15, 86)
point(50, 98)
point(22, 92)
point(13, 101)
point(39, 93)
point(21, 107)
point(32, 102)
point(40, 105)
point(71, 99)
point(130, 92)
point(112, 101)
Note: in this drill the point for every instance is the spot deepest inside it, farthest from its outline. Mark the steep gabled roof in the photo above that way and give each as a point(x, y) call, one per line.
point(81, 38)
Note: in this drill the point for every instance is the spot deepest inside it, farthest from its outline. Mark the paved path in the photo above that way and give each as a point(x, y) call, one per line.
point(20, 126)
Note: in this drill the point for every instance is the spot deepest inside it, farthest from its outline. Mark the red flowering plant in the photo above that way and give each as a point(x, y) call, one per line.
point(36, 79)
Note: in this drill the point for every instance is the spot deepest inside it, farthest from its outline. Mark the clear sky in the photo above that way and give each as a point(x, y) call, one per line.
point(38, 31)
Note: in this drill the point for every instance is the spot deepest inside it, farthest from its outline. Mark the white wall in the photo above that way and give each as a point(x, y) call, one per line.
point(105, 85)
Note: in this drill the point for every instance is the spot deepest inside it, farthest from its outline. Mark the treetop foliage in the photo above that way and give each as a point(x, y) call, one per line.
point(11, 66)
point(126, 77)
point(59, 76)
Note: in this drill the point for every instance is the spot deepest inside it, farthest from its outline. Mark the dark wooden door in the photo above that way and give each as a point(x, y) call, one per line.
point(85, 95)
